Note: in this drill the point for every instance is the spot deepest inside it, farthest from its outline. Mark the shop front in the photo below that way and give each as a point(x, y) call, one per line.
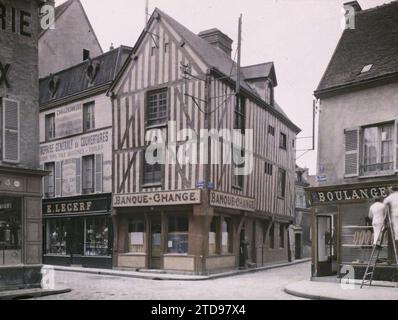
point(78, 231)
point(343, 232)
point(175, 231)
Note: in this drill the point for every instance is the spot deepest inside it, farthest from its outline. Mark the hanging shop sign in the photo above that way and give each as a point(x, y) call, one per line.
point(232, 201)
point(157, 199)
point(369, 193)
point(83, 206)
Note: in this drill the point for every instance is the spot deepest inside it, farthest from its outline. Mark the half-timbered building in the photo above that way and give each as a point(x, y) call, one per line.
point(198, 216)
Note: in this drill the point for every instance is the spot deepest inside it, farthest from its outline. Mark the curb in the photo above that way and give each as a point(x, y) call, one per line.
point(309, 296)
point(163, 277)
point(31, 293)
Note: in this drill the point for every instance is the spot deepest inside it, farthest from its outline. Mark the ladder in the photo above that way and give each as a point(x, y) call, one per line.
point(374, 257)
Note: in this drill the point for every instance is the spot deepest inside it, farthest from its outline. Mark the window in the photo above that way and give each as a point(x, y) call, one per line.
point(88, 175)
point(378, 149)
point(271, 131)
point(177, 240)
point(89, 116)
point(153, 50)
point(56, 237)
point(240, 109)
point(281, 236)
point(226, 236)
point(157, 108)
point(213, 236)
point(137, 236)
point(152, 172)
point(272, 236)
point(49, 181)
point(50, 127)
point(98, 238)
point(166, 47)
point(9, 130)
point(269, 168)
point(367, 68)
point(283, 141)
point(281, 183)
point(86, 54)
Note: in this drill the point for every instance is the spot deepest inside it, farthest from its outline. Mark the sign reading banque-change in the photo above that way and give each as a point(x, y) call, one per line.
point(232, 201)
point(157, 199)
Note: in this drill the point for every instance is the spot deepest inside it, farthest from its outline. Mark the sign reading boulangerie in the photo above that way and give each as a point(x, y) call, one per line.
point(157, 199)
point(232, 201)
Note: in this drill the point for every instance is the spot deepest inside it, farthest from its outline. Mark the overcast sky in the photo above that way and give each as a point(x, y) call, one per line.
point(298, 35)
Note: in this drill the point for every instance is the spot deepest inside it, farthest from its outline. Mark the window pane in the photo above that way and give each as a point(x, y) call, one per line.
point(97, 237)
point(137, 236)
point(88, 175)
point(178, 234)
point(56, 237)
point(49, 181)
point(157, 108)
point(226, 236)
point(213, 237)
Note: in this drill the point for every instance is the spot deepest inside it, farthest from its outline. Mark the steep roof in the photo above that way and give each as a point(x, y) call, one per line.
point(74, 80)
point(216, 60)
point(373, 42)
point(263, 70)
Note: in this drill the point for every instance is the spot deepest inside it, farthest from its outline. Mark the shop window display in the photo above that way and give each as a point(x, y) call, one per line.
point(10, 231)
point(137, 236)
point(97, 237)
point(57, 237)
point(177, 241)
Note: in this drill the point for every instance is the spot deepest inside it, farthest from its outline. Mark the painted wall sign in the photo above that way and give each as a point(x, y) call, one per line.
point(369, 193)
point(232, 201)
point(68, 121)
point(15, 21)
point(76, 147)
point(157, 199)
point(4, 69)
point(69, 177)
point(76, 206)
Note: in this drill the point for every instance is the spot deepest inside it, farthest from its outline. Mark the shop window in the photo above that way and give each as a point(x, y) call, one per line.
point(240, 114)
point(89, 116)
point(272, 236)
point(271, 131)
point(283, 141)
point(156, 111)
point(88, 175)
point(213, 236)
point(49, 180)
point(137, 236)
point(97, 237)
point(281, 183)
point(269, 168)
point(56, 241)
point(10, 231)
point(378, 149)
point(226, 236)
point(152, 172)
point(177, 240)
point(281, 236)
point(50, 127)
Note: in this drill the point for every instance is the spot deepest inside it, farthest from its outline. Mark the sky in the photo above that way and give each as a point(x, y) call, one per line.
point(299, 36)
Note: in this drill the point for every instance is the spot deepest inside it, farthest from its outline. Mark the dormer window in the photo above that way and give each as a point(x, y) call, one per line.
point(53, 85)
point(92, 70)
point(367, 68)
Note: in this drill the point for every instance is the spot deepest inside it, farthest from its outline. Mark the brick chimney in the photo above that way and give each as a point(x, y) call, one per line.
point(218, 39)
point(354, 4)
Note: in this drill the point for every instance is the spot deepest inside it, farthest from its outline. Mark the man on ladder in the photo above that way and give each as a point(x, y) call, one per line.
point(385, 217)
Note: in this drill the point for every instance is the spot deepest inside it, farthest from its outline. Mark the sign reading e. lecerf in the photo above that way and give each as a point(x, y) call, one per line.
point(232, 201)
point(157, 199)
point(320, 197)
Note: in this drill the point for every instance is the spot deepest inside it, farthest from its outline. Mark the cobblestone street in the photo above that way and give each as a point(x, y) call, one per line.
point(253, 286)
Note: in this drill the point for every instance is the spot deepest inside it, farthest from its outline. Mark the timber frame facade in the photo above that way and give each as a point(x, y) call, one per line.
point(196, 218)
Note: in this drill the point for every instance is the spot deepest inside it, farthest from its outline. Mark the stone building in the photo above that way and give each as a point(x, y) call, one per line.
point(72, 40)
point(358, 132)
point(76, 148)
point(20, 174)
point(198, 216)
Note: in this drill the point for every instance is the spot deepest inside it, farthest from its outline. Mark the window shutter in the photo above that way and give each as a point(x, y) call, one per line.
point(352, 152)
point(98, 172)
point(10, 130)
point(58, 179)
point(79, 175)
point(396, 146)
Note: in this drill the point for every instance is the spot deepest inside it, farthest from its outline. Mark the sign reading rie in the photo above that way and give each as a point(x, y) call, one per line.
point(157, 199)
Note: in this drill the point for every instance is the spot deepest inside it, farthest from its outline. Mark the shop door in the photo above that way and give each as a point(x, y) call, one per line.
point(155, 246)
point(75, 240)
point(326, 255)
point(297, 249)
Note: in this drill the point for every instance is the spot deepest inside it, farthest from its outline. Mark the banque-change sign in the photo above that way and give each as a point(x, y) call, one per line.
point(157, 199)
point(232, 201)
point(368, 193)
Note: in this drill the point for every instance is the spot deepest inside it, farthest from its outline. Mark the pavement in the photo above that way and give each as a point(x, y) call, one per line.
point(30, 293)
point(335, 290)
point(163, 275)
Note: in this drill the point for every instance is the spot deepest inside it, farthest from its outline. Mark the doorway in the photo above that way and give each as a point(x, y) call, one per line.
point(155, 245)
point(326, 245)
